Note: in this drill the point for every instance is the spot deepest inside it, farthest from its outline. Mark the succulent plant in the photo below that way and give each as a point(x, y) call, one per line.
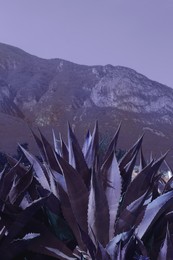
point(71, 205)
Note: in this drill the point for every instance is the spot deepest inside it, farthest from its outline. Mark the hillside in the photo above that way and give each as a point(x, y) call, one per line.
point(48, 93)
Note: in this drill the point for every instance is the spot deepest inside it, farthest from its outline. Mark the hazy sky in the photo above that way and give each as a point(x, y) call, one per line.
point(133, 33)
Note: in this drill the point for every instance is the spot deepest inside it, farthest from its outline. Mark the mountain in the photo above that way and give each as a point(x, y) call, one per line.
point(48, 93)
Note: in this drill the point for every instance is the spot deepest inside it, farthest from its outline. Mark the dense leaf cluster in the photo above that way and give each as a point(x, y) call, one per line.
point(71, 205)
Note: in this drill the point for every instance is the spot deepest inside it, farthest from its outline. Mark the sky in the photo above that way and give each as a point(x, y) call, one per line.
point(132, 33)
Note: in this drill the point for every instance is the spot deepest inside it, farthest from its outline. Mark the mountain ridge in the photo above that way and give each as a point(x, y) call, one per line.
point(49, 92)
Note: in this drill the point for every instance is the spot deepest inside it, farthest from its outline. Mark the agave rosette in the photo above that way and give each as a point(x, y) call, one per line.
point(82, 208)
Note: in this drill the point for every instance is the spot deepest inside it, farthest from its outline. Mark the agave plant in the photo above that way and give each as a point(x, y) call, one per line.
point(24, 231)
point(71, 205)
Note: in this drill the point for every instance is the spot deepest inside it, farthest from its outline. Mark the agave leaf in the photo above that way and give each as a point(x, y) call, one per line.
point(28, 236)
point(50, 154)
point(169, 167)
point(59, 179)
point(112, 175)
point(52, 181)
point(137, 187)
point(101, 253)
point(155, 236)
point(46, 241)
point(56, 143)
point(2, 226)
point(21, 169)
point(11, 160)
point(76, 157)
point(166, 251)
point(52, 203)
point(40, 175)
point(77, 253)
point(64, 150)
point(20, 187)
point(153, 211)
point(161, 185)
point(6, 183)
point(60, 228)
point(134, 249)
point(128, 249)
point(19, 246)
point(156, 165)
point(128, 217)
point(89, 243)
point(81, 255)
point(18, 224)
point(127, 172)
point(151, 156)
point(26, 215)
point(142, 163)
point(58, 254)
point(24, 202)
point(98, 211)
point(112, 147)
point(40, 146)
point(71, 159)
point(92, 152)
point(33, 190)
point(14, 249)
point(117, 241)
point(130, 154)
point(141, 183)
point(114, 250)
point(87, 142)
point(69, 216)
point(47, 153)
point(3, 231)
point(2, 174)
point(77, 192)
point(168, 185)
point(142, 248)
point(117, 253)
point(169, 216)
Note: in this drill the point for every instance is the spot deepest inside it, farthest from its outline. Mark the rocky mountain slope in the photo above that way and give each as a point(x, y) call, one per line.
point(48, 93)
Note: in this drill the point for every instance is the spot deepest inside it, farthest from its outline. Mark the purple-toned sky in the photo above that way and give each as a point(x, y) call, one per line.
point(133, 33)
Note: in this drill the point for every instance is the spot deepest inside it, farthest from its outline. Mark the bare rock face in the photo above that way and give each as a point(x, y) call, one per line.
point(48, 93)
point(129, 91)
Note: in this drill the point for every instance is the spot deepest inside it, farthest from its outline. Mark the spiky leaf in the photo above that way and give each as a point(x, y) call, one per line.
point(98, 212)
point(77, 192)
point(153, 211)
point(113, 189)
